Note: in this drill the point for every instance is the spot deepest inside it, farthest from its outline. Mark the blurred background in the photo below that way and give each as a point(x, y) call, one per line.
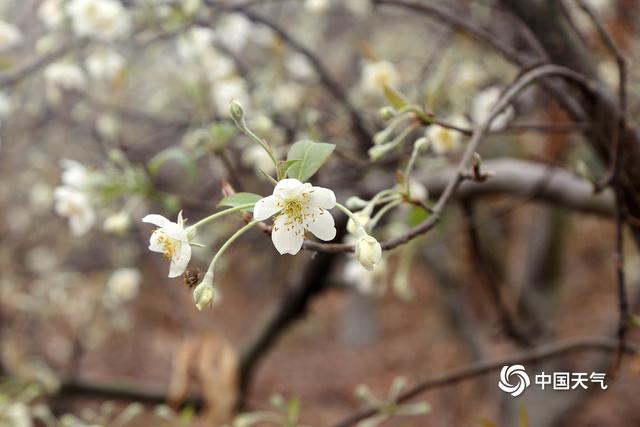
point(114, 109)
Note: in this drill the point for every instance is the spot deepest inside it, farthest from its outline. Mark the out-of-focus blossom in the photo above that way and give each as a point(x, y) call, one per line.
point(445, 140)
point(482, 105)
point(40, 197)
point(62, 75)
point(172, 240)
point(41, 259)
point(194, 43)
point(124, 283)
point(288, 97)
point(608, 72)
point(74, 175)
point(365, 281)
point(298, 66)
point(102, 19)
point(298, 207)
point(108, 127)
point(196, 48)
point(10, 36)
point(15, 415)
point(225, 91)
point(256, 158)
point(468, 75)
point(74, 205)
point(359, 8)
point(375, 75)
point(233, 31)
point(117, 224)
point(51, 13)
point(105, 65)
point(317, 6)
point(6, 106)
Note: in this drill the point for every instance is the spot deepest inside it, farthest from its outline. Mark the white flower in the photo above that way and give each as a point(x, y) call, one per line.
point(375, 75)
point(298, 207)
point(225, 91)
point(108, 126)
point(233, 31)
point(288, 97)
point(117, 224)
point(317, 6)
point(193, 43)
point(172, 240)
point(74, 204)
point(102, 19)
point(298, 66)
point(445, 140)
point(75, 175)
point(16, 414)
point(51, 13)
point(482, 105)
point(105, 65)
point(368, 251)
point(65, 76)
point(124, 283)
point(10, 36)
point(363, 218)
point(469, 74)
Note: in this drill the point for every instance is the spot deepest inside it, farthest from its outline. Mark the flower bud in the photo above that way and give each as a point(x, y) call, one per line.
point(387, 113)
point(236, 111)
point(355, 202)
point(204, 294)
point(368, 252)
point(362, 217)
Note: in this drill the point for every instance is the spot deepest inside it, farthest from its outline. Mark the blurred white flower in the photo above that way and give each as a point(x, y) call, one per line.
point(196, 48)
point(233, 31)
point(74, 174)
point(51, 13)
point(482, 105)
point(6, 106)
point(16, 415)
point(359, 8)
point(102, 19)
point(108, 126)
point(298, 207)
point(193, 43)
point(62, 75)
point(298, 66)
point(225, 91)
point(124, 283)
point(263, 36)
point(444, 140)
point(172, 240)
point(375, 75)
point(256, 158)
point(40, 197)
point(288, 97)
point(365, 281)
point(608, 72)
point(105, 65)
point(317, 6)
point(74, 205)
point(368, 251)
point(10, 36)
point(468, 75)
point(117, 224)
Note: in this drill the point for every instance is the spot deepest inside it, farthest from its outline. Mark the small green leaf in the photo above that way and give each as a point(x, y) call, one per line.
point(311, 156)
point(238, 199)
point(285, 165)
point(395, 98)
point(293, 411)
point(172, 154)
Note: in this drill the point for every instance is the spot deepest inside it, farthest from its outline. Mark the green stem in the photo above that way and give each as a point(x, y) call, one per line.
point(386, 208)
point(361, 229)
point(228, 243)
point(243, 127)
point(220, 215)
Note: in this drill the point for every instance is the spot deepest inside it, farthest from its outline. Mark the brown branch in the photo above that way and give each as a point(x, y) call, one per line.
point(539, 354)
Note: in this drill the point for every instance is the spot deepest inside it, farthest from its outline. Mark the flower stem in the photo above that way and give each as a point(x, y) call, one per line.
point(228, 243)
point(220, 215)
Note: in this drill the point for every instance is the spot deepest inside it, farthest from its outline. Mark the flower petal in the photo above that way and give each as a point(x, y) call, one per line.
point(154, 242)
point(287, 188)
point(179, 263)
point(157, 220)
point(287, 236)
point(321, 224)
point(320, 197)
point(266, 208)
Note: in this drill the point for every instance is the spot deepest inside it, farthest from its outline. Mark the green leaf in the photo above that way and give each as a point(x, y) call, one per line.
point(172, 154)
point(285, 165)
point(395, 98)
point(311, 154)
point(293, 411)
point(238, 199)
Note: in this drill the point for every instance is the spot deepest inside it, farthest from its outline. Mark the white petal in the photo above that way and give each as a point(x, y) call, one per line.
point(179, 263)
point(287, 238)
point(266, 208)
point(154, 242)
point(321, 224)
point(322, 198)
point(157, 220)
point(176, 232)
point(288, 188)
